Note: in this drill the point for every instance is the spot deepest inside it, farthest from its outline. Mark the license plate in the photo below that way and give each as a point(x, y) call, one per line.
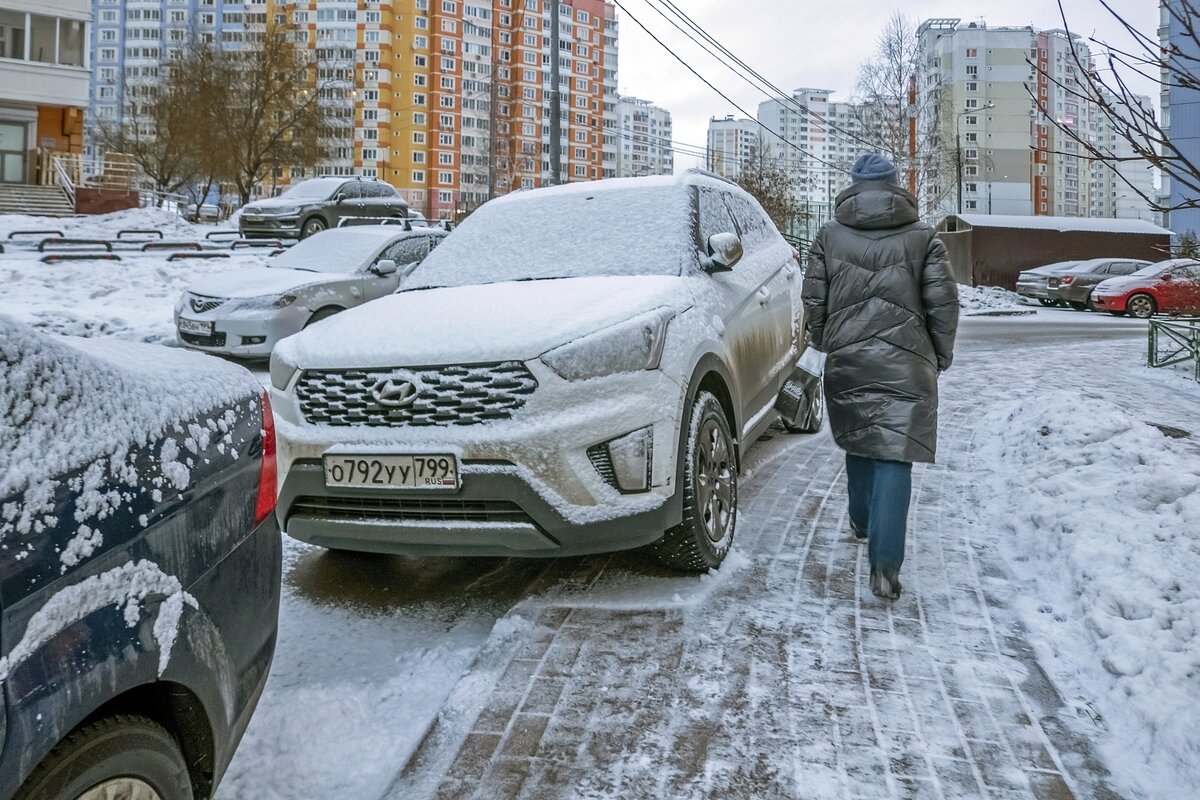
point(392, 471)
point(195, 326)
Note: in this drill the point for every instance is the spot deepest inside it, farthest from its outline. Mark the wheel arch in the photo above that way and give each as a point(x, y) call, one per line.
point(710, 374)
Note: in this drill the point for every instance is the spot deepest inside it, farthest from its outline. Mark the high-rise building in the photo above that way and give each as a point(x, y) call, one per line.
point(1119, 190)
point(1180, 112)
point(731, 143)
point(983, 90)
point(43, 82)
point(646, 147)
point(448, 100)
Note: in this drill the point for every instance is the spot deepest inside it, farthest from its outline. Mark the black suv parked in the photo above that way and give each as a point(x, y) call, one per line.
point(139, 567)
point(317, 204)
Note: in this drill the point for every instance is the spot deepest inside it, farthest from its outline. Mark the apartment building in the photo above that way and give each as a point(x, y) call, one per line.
point(447, 100)
point(43, 82)
point(1119, 190)
point(1180, 108)
point(646, 147)
point(731, 142)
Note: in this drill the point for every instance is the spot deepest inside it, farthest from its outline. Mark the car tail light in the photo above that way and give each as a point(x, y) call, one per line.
point(1067, 280)
point(265, 504)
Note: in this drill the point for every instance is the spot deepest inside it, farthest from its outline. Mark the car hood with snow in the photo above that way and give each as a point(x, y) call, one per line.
point(271, 203)
point(516, 320)
point(260, 282)
point(1123, 284)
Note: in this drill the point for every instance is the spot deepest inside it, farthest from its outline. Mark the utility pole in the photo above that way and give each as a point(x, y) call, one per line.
point(555, 109)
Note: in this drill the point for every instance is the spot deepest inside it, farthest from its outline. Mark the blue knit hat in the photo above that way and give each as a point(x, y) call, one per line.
point(873, 167)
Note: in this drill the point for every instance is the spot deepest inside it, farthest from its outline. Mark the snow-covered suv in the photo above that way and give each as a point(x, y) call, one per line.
point(575, 369)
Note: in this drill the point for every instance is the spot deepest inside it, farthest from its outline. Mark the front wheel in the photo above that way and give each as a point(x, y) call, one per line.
point(312, 227)
point(1141, 306)
point(702, 540)
point(118, 758)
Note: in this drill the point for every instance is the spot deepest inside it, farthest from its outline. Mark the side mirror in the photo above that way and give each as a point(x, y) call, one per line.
point(339, 198)
point(724, 250)
point(385, 267)
point(1168, 277)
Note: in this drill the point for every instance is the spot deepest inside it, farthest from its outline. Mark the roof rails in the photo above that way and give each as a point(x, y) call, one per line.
point(707, 174)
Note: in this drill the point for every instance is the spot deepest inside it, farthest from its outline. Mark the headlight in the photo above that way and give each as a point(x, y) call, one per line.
point(267, 302)
point(285, 211)
point(281, 372)
point(627, 347)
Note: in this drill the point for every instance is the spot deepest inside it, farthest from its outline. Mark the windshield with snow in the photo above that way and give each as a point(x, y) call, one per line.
point(1154, 270)
point(339, 251)
point(566, 232)
point(312, 190)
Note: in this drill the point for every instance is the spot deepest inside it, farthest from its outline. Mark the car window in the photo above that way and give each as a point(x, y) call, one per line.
point(385, 190)
point(714, 216)
point(352, 190)
point(408, 250)
point(1123, 268)
point(754, 226)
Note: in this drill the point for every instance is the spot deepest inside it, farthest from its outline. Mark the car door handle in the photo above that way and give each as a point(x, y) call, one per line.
point(764, 296)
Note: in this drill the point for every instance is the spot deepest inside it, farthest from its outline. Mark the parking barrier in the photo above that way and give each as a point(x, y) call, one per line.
point(140, 232)
point(222, 235)
point(15, 234)
point(181, 255)
point(57, 241)
point(1174, 341)
point(255, 243)
point(148, 246)
point(54, 258)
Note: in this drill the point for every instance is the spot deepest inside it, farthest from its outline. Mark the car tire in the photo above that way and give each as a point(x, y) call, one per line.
point(100, 759)
point(702, 539)
point(1047, 303)
point(1141, 305)
point(323, 313)
point(1079, 306)
point(312, 226)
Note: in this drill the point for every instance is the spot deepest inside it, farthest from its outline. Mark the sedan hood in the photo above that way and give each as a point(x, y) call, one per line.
point(479, 324)
point(259, 282)
point(1122, 284)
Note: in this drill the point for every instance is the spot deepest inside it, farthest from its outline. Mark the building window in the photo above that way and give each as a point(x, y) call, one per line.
point(445, 198)
point(418, 176)
point(446, 178)
point(972, 53)
point(418, 158)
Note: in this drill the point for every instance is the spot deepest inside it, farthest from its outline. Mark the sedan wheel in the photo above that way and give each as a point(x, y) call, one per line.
point(709, 484)
point(1141, 306)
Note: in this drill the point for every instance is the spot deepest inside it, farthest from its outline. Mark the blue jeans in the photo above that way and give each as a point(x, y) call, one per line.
point(879, 496)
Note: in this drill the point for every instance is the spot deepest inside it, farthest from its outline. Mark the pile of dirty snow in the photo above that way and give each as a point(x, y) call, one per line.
point(106, 226)
point(1098, 513)
point(976, 300)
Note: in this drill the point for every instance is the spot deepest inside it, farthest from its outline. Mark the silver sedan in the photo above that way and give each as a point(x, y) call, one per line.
point(245, 312)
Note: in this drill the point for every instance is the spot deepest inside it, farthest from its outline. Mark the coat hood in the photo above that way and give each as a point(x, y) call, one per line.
point(876, 205)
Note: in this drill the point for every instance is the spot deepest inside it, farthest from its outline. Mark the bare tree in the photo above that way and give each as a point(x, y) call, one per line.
point(1109, 90)
point(273, 117)
point(883, 83)
point(771, 185)
point(153, 132)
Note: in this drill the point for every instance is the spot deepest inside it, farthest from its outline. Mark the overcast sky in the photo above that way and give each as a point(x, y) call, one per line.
point(811, 44)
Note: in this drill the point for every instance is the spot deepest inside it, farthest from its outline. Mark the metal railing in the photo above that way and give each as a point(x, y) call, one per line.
point(1174, 341)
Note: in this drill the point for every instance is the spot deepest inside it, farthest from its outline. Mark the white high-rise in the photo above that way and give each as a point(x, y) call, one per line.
point(732, 142)
point(645, 139)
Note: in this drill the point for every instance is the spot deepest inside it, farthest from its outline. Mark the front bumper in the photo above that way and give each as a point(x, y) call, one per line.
point(270, 227)
point(234, 334)
point(1109, 302)
point(528, 487)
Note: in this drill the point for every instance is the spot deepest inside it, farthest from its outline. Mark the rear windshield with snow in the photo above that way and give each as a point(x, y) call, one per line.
point(331, 251)
point(566, 234)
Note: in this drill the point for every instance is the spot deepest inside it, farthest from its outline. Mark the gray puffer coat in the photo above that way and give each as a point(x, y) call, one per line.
point(882, 303)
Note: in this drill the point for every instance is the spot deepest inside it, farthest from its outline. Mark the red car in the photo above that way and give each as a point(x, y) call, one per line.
point(1171, 286)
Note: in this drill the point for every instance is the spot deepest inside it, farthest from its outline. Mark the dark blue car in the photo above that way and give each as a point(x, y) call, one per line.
point(139, 567)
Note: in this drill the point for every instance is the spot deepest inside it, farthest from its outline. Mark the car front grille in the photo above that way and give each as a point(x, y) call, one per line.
point(200, 304)
point(216, 340)
point(453, 395)
point(410, 509)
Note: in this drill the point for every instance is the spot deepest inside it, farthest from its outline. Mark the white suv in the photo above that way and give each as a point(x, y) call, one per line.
point(575, 369)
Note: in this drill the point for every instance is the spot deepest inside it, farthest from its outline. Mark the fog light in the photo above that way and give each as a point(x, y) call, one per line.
point(632, 457)
point(253, 339)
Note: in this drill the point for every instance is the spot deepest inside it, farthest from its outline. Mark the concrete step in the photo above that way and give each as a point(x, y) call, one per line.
point(39, 201)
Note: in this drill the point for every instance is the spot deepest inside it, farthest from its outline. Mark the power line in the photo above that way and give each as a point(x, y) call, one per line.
point(727, 98)
point(771, 91)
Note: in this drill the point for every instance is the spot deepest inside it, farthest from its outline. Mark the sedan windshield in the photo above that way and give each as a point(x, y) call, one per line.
point(316, 189)
point(337, 251)
point(566, 232)
point(1154, 270)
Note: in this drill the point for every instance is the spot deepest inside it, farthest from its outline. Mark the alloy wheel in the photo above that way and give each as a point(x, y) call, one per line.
point(714, 480)
point(1141, 306)
point(121, 789)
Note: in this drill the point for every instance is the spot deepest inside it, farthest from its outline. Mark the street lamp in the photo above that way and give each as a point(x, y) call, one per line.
point(958, 146)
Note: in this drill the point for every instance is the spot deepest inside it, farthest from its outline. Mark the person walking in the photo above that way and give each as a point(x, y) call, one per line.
point(883, 305)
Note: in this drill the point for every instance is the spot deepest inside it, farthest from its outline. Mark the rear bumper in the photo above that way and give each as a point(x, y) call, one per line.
point(1036, 291)
point(497, 512)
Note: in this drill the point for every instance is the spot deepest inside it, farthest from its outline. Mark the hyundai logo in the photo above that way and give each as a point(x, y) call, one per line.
point(396, 391)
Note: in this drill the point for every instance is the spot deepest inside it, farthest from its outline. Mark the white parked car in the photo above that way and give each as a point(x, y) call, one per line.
point(245, 312)
point(576, 369)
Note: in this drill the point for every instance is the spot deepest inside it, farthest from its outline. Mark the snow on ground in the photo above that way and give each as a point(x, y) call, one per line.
point(131, 299)
point(1102, 512)
point(979, 299)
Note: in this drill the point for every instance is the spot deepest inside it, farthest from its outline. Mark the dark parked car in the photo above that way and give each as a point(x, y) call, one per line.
point(1035, 283)
point(139, 567)
point(1171, 286)
point(1074, 288)
point(318, 204)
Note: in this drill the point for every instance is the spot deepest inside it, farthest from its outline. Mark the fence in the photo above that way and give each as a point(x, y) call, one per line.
point(113, 171)
point(1174, 341)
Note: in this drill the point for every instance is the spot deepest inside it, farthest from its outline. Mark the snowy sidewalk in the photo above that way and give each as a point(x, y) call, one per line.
point(786, 678)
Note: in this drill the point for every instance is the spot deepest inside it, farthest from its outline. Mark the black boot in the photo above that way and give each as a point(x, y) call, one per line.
point(860, 536)
point(885, 582)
